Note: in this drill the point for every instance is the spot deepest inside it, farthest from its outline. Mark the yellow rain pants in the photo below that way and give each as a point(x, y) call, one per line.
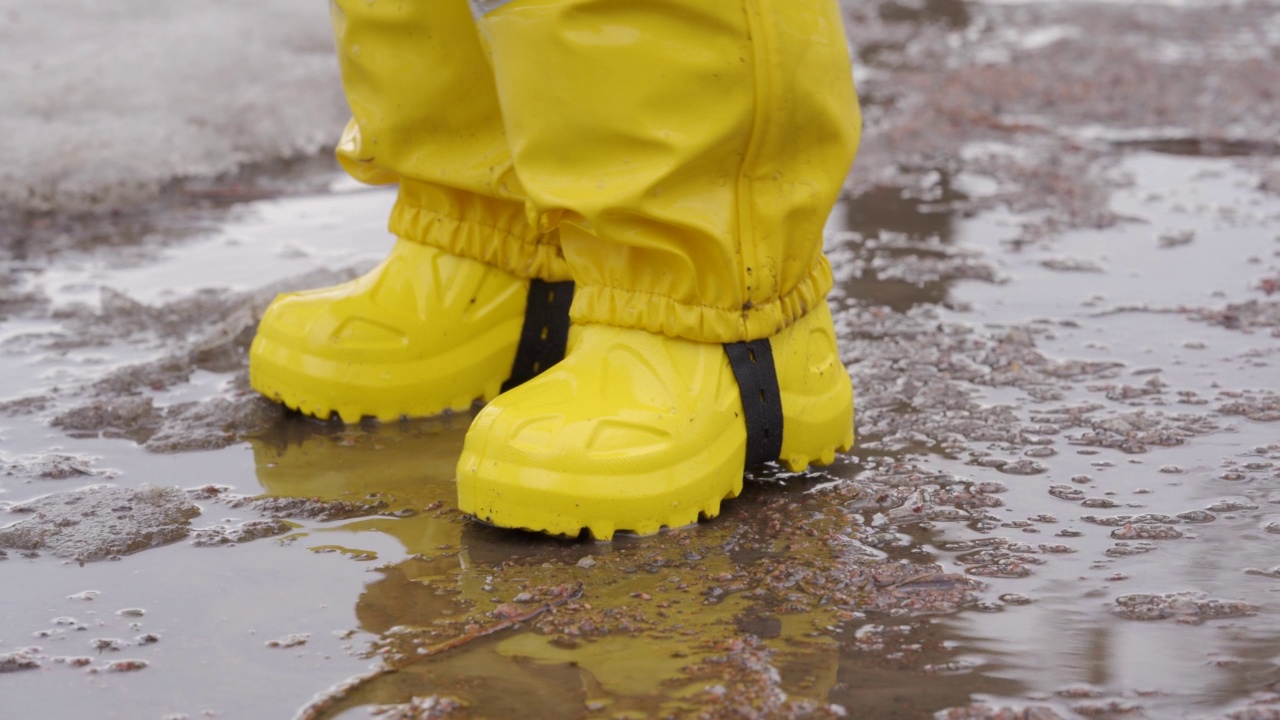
point(425, 113)
point(676, 159)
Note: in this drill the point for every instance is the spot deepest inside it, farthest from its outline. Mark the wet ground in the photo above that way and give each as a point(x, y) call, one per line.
point(1056, 266)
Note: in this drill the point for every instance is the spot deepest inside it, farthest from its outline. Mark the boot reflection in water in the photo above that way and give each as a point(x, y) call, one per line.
point(453, 571)
point(665, 168)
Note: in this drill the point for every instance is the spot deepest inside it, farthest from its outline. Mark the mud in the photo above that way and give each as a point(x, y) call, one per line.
point(238, 534)
point(419, 708)
point(1039, 97)
point(99, 523)
point(16, 661)
point(1055, 262)
point(54, 466)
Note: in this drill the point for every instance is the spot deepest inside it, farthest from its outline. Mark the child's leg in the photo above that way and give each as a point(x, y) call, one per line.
point(689, 154)
point(437, 325)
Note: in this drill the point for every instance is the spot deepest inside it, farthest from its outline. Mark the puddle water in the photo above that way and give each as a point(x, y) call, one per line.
point(1065, 500)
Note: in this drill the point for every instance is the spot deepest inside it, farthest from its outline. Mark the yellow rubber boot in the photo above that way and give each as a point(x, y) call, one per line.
point(436, 326)
point(689, 155)
point(423, 332)
point(636, 431)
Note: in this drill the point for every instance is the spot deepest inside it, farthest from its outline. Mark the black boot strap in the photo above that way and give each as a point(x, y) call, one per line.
point(545, 332)
point(753, 368)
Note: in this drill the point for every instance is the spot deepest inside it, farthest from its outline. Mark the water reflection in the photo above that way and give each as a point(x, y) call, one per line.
point(901, 242)
point(186, 208)
point(652, 608)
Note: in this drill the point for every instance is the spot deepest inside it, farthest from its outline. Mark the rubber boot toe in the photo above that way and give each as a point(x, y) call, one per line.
point(423, 332)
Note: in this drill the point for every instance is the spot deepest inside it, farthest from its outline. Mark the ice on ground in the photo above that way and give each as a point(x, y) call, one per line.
point(104, 102)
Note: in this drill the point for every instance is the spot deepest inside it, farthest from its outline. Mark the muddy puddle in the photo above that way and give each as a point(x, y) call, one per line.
point(1056, 269)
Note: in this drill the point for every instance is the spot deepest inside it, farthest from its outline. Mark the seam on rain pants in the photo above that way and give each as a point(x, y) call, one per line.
point(688, 153)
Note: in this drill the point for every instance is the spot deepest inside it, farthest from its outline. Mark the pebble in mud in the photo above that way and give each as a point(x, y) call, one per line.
point(53, 466)
point(910, 589)
point(219, 535)
point(108, 644)
point(1228, 506)
point(1124, 549)
point(1066, 492)
point(18, 660)
point(1137, 432)
point(982, 711)
point(1078, 692)
point(1023, 467)
point(289, 641)
point(102, 653)
point(1070, 264)
point(212, 424)
point(742, 682)
point(1189, 608)
point(1003, 568)
point(420, 708)
point(1154, 518)
point(1107, 709)
point(1146, 532)
point(206, 425)
point(1259, 409)
point(121, 666)
point(131, 417)
point(1108, 521)
point(1251, 314)
point(308, 508)
point(100, 522)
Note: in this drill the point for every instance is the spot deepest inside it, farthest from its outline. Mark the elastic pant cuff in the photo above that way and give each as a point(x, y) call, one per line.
point(490, 230)
point(701, 323)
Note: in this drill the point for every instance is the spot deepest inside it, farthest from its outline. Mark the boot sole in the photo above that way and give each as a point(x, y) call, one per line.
point(515, 505)
point(551, 503)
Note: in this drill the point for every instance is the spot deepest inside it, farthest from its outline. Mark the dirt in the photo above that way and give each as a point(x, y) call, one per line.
point(99, 523)
point(54, 466)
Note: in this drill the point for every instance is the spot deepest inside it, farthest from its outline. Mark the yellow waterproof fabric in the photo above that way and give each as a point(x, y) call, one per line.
point(425, 114)
point(676, 159)
point(689, 152)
